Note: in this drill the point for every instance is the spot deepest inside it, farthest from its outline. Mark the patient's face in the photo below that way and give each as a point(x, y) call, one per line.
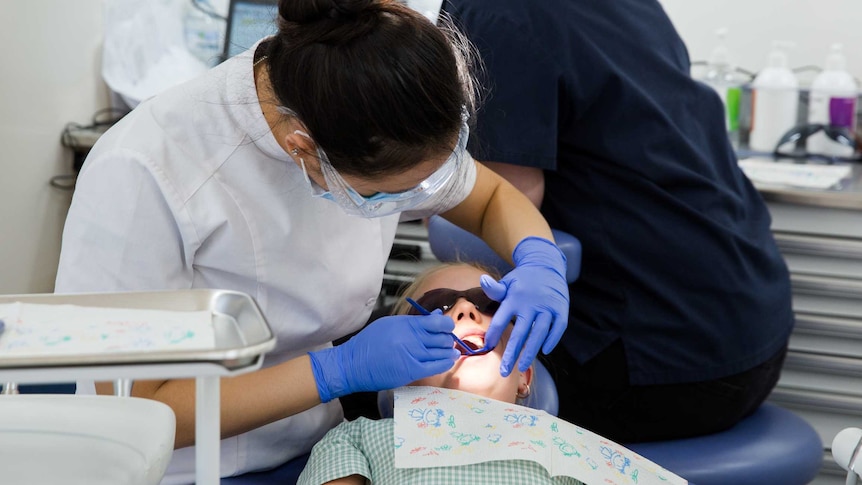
point(478, 374)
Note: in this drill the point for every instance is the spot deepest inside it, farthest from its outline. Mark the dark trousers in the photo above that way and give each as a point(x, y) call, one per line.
point(597, 396)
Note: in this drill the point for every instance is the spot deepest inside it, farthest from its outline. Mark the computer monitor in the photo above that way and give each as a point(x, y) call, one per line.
point(248, 21)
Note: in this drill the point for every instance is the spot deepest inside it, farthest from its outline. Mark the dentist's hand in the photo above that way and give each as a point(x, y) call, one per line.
point(536, 294)
point(390, 352)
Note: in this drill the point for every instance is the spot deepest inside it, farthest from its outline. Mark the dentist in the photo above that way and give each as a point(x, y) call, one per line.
point(283, 173)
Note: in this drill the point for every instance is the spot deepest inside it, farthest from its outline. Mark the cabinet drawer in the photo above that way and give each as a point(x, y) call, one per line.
point(815, 220)
point(839, 297)
point(826, 334)
point(828, 374)
point(821, 256)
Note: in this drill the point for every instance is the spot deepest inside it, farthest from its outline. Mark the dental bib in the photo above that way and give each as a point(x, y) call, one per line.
point(437, 427)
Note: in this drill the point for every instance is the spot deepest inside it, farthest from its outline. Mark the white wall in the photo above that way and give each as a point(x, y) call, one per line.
point(48, 76)
point(813, 25)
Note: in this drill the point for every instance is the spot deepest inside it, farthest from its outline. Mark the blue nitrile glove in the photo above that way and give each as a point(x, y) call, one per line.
point(535, 292)
point(391, 352)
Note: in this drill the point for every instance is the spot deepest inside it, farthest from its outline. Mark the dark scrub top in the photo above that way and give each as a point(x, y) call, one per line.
point(678, 258)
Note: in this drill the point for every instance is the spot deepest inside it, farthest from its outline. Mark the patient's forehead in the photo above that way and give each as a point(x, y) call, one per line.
point(456, 277)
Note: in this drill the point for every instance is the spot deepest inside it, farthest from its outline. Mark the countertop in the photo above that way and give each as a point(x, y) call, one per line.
point(847, 194)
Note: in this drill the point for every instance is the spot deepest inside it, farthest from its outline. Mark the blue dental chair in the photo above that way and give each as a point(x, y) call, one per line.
point(772, 446)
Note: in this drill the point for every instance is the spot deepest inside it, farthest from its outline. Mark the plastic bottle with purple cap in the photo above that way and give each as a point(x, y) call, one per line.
point(833, 99)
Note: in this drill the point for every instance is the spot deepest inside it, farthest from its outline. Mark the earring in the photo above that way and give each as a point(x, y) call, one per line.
point(525, 393)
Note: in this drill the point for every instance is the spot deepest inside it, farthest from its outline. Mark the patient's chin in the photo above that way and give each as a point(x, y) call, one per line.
point(480, 383)
point(488, 390)
point(475, 383)
point(477, 375)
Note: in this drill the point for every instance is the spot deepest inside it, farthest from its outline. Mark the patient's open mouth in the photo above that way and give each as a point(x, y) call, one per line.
point(475, 345)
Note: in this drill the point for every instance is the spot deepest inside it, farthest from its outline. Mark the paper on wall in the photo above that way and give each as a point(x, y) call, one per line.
point(444, 427)
point(36, 330)
point(144, 51)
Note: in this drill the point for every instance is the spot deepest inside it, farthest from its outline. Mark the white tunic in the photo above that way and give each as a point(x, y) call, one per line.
point(191, 190)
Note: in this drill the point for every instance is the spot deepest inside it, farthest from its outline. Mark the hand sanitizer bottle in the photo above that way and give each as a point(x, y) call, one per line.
point(833, 102)
point(721, 76)
point(776, 101)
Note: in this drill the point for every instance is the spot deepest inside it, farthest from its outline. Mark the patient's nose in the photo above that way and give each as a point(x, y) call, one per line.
point(464, 309)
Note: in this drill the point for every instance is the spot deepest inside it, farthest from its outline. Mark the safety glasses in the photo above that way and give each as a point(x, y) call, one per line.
point(790, 143)
point(482, 303)
point(387, 203)
point(445, 299)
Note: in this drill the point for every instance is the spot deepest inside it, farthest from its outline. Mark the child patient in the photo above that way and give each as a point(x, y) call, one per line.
point(361, 451)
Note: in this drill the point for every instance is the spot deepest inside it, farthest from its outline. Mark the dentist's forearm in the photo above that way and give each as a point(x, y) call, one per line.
point(248, 401)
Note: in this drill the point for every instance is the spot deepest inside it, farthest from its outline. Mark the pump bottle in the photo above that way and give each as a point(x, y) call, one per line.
point(721, 76)
point(833, 99)
point(776, 101)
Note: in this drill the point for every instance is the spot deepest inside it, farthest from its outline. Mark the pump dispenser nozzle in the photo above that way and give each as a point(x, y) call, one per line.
point(720, 54)
point(836, 61)
point(778, 54)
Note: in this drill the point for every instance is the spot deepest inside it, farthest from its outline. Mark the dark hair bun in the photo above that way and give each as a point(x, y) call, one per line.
point(310, 11)
point(375, 84)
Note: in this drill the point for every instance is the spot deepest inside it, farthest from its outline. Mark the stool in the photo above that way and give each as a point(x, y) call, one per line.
point(772, 446)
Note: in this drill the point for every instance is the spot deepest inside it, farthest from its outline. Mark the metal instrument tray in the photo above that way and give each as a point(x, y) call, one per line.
point(242, 335)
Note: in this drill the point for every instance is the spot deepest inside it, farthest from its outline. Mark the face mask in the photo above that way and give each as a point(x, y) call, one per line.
point(383, 203)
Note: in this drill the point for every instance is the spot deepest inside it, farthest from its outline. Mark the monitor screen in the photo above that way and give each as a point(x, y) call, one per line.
point(248, 21)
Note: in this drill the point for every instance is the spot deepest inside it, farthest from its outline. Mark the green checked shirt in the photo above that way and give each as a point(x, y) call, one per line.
point(365, 447)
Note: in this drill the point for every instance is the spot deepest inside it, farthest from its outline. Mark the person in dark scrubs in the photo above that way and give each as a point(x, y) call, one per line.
point(680, 319)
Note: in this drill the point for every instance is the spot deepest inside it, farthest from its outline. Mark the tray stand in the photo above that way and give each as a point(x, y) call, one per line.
point(242, 339)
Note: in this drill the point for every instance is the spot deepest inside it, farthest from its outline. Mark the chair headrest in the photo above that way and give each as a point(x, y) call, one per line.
point(451, 243)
